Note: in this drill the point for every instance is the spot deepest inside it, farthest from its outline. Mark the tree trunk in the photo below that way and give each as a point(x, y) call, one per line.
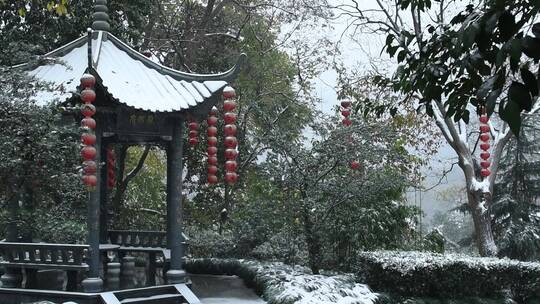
point(480, 204)
point(313, 243)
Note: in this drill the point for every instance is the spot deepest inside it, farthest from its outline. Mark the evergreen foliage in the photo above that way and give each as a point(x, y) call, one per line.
point(516, 208)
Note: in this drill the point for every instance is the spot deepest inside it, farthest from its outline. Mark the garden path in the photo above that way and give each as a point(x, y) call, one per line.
point(213, 289)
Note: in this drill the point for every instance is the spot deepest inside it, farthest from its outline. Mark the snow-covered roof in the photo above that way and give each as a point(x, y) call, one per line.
point(128, 76)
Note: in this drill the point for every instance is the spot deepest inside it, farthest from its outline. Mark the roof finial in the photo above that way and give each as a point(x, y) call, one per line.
point(101, 16)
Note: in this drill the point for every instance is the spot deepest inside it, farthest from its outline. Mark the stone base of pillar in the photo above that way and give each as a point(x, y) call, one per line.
point(113, 276)
point(12, 278)
point(92, 285)
point(128, 272)
point(176, 276)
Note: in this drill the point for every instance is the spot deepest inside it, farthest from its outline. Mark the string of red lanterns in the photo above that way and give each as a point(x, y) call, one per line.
point(88, 125)
point(111, 165)
point(484, 146)
point(193, 133)
point(346, 112)
point(212, 146)
point(230, 142)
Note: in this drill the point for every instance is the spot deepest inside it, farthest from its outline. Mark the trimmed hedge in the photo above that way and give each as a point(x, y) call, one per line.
point(422, 274)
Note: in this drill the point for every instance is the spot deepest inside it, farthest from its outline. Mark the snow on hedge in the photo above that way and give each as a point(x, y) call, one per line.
point(284, 284)
point(408, 261)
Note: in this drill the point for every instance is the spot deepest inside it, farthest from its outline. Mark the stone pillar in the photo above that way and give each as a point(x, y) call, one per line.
point(93, 283)
point(175, 274)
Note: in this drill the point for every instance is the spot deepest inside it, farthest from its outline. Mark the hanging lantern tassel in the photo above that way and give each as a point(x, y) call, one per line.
point(484, 146)
point(88, 124)
point(230, 142)
point(212, 146)
point(111, 167)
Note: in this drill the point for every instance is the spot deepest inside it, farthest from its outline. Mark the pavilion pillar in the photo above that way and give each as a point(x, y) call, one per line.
point(103, 177)
point(175, 274)
point(93, 283)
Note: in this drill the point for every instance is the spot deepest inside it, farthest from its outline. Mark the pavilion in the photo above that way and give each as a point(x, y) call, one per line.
point(138, 101)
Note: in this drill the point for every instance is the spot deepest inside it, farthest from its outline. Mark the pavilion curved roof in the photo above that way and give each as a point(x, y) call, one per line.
point(128, 76)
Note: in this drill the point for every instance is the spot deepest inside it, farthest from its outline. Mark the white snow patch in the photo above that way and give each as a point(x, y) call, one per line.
point(480, 186)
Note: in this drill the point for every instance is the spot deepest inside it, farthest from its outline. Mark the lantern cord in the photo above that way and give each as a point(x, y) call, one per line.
point(89, 48)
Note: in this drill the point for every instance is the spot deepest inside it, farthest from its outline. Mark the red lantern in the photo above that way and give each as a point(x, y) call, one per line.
point(485, 164)
point(484, 129)
point(484, 119)
point(212, 120)
point(88, 123)
point(88, 81)
point(212, 151)
point(231, 154)
point(229, 105)
point(111, 183)
point(231, 166)
point(229, 130)
point(193, 141)
point(346, 103)
point(212, 141)
point(347, 122)
point(485, 173)
point(88, 96)
point(229, 93)
point(484, 137)
point(212, 170)
point(212, 131)
point(193, 126)
point(346, 113)
point(231, 177)
point(89, 167)
point(88, 110)
point(230, 142)
point(485, 155)
point(484, 147)
point(88, 139)
point(212, 160)
point(88, 153)
point(90, 180)
point(230, 118)
point(193, 133)
point(212, 179)
point(355, 165)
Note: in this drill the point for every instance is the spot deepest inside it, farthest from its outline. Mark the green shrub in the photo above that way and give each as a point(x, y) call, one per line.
point(448, 276)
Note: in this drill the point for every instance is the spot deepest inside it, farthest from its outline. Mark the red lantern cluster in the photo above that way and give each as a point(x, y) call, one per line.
point(212, 146)
point(484, 146)
point(346, 112)
point(88, 124)
point(229, 130)
point(111, 168)
point(193, 133)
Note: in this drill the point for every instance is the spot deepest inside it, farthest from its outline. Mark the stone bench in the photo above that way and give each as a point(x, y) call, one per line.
point(37, 256)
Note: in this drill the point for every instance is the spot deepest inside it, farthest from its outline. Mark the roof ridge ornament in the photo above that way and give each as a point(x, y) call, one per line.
point(101, 16)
